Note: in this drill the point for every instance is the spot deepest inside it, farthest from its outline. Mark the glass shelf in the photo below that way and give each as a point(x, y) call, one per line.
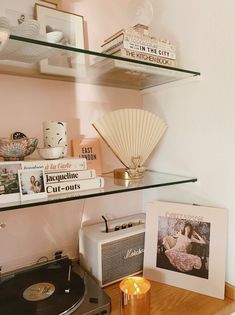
point(151, 179)
point(35, 58)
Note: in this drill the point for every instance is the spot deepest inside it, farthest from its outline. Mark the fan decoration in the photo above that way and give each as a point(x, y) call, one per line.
point(131, 134)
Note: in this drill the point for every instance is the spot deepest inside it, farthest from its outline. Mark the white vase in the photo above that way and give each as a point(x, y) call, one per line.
point(55, 134)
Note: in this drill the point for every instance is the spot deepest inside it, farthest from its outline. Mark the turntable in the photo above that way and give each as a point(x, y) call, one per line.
point(54, 287)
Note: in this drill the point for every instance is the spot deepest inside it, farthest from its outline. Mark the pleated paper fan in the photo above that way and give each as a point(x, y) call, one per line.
point(132, 134)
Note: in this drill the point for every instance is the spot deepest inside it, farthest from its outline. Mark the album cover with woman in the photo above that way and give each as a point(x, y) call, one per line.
point(185, 246)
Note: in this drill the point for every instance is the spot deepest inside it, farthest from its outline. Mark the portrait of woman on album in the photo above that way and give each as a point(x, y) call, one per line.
point(182, 248)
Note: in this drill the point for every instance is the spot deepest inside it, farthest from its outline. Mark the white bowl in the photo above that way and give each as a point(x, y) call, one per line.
point(51, 153)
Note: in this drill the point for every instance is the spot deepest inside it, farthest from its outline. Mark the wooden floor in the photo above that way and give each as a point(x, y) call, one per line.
point(168, 300)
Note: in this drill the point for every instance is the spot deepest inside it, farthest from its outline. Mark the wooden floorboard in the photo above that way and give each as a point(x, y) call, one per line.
point(169, 300)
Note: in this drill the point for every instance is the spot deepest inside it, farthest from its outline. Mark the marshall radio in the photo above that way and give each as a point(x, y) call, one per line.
point(113, 250)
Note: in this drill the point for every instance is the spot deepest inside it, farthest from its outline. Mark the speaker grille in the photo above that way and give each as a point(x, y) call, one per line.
point(122, 257)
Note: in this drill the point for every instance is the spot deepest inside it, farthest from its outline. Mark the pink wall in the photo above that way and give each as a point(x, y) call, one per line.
point(25, 104)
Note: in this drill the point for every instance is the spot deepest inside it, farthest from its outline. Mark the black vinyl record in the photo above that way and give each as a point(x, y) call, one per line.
point(13, 302)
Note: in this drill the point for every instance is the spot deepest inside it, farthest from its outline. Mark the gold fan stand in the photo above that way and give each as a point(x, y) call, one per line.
point(127, 173)
point(137, 172)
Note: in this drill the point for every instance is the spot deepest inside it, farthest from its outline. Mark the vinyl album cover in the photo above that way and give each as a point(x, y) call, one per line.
point(185, 246)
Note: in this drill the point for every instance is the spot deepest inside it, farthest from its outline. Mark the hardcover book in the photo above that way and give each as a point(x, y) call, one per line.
point(88, 148)
point(68, 176)
point(66, 164)
point(130, 38)
point(74, 186)
point(158, 51)
point(141, 56)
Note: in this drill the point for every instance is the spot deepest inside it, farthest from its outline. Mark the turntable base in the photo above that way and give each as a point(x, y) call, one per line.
point(52, 289)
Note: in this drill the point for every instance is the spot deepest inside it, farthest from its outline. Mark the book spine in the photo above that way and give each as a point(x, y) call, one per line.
point(74, 186)
point(149, 49)
point(159, 52)
point(75, 164)
point(139, 40)
point(60, 177)
point(145, 57)
point(115, 35)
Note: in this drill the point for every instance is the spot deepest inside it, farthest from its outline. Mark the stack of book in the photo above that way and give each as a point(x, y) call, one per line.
point(66, 175)
point(136, 43)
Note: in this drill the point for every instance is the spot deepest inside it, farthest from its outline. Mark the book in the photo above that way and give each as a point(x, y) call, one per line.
point(88, 148)
point(159, 51)
point(68, 176)
point(138, 29)
point(115, 35)
point(65, 164)
point(130, 54)
point(133, 37)
point(74, 186)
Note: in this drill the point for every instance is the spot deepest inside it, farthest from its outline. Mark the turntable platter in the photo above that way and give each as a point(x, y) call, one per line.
point(52, 279)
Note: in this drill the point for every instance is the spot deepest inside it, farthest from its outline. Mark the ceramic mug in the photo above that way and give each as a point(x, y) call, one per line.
point(55, 134)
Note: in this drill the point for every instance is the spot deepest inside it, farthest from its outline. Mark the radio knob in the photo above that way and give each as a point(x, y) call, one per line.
point(123, 226)
point(130, 224)
point(117, 228)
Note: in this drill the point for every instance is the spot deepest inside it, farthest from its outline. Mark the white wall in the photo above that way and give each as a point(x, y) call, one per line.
point(201, 114)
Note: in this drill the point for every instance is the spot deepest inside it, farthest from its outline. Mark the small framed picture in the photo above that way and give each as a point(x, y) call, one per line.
point(9, 181)
point(71, 29)
point(185, 246)
point(50, 3)
point(32, 184)
point(88, 148)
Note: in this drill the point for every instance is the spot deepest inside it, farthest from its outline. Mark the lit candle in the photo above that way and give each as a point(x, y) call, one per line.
point(135, 296)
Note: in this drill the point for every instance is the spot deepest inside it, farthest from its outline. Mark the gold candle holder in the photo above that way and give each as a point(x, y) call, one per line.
point(135, 296)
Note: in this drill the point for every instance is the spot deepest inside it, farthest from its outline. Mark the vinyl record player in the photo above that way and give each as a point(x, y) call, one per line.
point(54, 287)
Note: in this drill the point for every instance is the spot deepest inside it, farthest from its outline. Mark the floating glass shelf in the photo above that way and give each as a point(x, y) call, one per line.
point(151, 179)
point(66, 63)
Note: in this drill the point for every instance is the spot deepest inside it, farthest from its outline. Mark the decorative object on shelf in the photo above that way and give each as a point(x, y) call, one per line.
point(132, 135)
point(140, 12)
point(9, 183)
point(68, 175)
point(18, 135)
point(190, 248)
point(74, 186)
point(32, 184)
point(113, 250)
point(17, 149)
point(136, 43)
point(51, 153)
point(65, 165)
point(51, 3)
point(55, 134)
point(88, 148)
point(135, 296)
point(71, 25)
point(133, 44)
point(26, 52)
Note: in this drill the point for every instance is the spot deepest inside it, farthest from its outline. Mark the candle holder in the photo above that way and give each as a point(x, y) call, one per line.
point(135, 296)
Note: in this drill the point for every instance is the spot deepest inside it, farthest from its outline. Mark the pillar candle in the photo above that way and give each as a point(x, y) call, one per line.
point(135, 296)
